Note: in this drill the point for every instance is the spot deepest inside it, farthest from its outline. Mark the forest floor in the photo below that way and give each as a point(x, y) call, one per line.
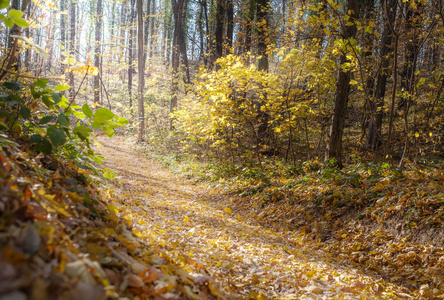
point(196, 226)
point(152, 234)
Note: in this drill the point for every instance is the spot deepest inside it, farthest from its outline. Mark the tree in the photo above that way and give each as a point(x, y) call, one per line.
point(334, 146)
point(141, 69)
point(130, 54)
point(374, 136)
point(97, 52)
point(72, 44)
point(262, 9)
point(178, 7)
point(62, 31)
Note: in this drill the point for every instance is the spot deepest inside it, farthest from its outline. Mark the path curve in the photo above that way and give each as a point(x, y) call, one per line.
point(193, 225)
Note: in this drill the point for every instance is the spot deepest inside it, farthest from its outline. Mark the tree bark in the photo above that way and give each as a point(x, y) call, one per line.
point(229, 9)
point(374, 136)
point(263, 32)
point(334, 146)
point(177, 7)
point(152, 27)
point(72, 44)
point(130, 55)
point(97, 53)
point(183, 44)
point(262, 9)
point(123, 12)
point(62, 33)
point(219, 28)
point(147, 30)
point(141, 68)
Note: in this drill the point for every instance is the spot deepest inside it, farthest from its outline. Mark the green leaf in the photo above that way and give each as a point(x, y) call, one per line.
point(13, 13)
point(4, 4)
point(62, 88)
point(75, 106)
point(15, 99)
point(46, 120)
point(85, 130)
point(56, 97)
point(41, 83)
point(47, 101)
point(122, 121)
point(63, 103)
point(103, 114)
point(87, 199)
point(111, 124)
point(25, 112)
point(21, 22)
point(3, 126)
point(35, 138)
point(63, 119)
point(12, 85)
point(87, 110)
point(57, 136)
point(44, 146)
point(110, 133)
point(78, 114)
point(9, 23)
point(96, 125)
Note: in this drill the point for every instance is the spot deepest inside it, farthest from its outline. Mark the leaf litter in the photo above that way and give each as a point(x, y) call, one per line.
point(152, 235)
point(62, 238)
point(204, 234)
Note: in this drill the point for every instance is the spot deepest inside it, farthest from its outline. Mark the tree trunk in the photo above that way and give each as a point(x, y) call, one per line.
point(249, 26)
point(97, 53)
point(219, 28)
point(374, 136)
point(230, 26)
point(123, 12)
point(201, 35)
point(262, 9)
point(130, 56)
point(72, 13)
point(146, 30)
point(152, 33)
point(207, 32)
point(412, 24)
point(168, 33)
point(177, 7)
point(183, 43)
point(62, 34)
point(263, 32)
point(141, 68)
point(334, 146)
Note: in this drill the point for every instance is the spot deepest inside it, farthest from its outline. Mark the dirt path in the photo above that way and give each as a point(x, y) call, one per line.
point(196, 228)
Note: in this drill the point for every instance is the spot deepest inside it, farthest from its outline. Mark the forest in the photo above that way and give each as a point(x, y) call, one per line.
point(221, 149)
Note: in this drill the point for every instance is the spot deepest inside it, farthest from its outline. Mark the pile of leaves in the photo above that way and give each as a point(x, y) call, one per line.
point(382, 220)
point(60, 238)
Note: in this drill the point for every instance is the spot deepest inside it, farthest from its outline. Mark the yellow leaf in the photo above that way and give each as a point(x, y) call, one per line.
point(344, 235)
point(228, 210)
point(113, 208)
point(417, 134)
point(185, 220)
point(261, 296)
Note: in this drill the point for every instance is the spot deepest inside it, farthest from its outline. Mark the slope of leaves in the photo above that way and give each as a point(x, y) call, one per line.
point(61, 239)
point(208, 233)
point(377, 218)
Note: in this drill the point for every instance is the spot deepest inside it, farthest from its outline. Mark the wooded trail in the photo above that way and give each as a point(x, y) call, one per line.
point(198, 230)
